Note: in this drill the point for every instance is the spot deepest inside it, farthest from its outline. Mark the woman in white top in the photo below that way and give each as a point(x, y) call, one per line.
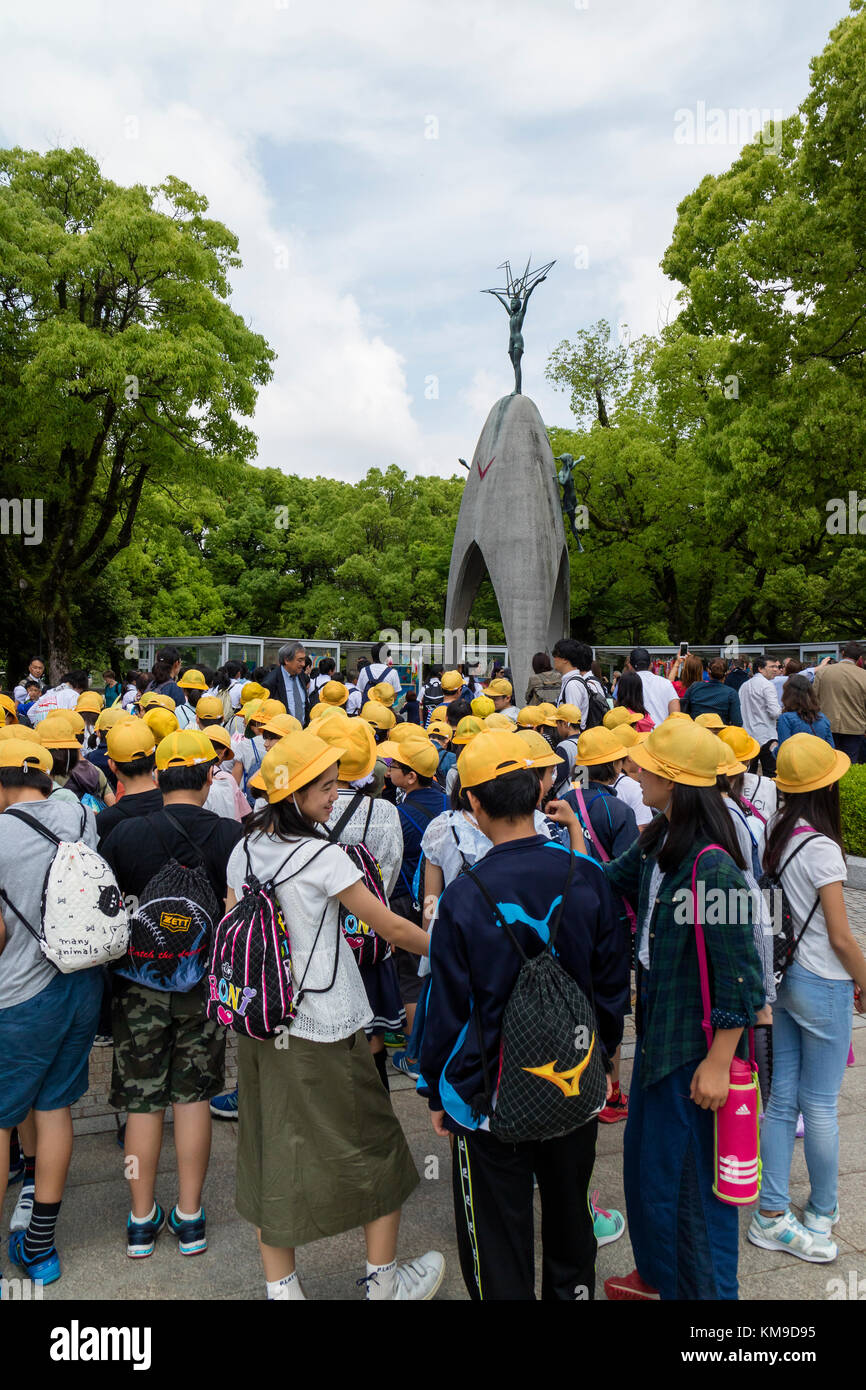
point(320, 1150)
point(812, 1013)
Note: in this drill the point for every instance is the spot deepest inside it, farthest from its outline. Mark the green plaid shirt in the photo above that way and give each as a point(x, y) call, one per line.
point(669, 1026)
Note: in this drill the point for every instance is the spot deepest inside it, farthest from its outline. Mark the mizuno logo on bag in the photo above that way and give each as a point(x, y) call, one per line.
point(567, 1081)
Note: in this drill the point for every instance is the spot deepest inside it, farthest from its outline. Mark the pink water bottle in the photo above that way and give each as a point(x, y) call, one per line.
point(738, 1164)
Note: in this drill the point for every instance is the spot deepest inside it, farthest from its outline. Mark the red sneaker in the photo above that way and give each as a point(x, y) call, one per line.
point(615, 1109)
point(629, 1286)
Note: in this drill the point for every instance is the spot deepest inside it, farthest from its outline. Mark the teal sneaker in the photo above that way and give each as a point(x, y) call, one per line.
point(608, 1225)
point(141, 1235)
point(820, 1225)
point(191, 1236)
point(785, 1232)
point(42, 1271)
point(400, 1062)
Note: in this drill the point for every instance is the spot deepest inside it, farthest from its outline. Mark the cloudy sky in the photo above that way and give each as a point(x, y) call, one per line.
point(378, 162)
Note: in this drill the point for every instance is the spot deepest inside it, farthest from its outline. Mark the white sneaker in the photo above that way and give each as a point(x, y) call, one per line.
point(415, 1281)
point(820, 1225)
point(785, 1232)
point(23, 1208)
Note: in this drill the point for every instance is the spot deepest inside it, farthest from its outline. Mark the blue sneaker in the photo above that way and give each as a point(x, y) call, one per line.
point(225, 1107)
point(44, 1271)
point(400, 1062)
point(190, 1234)
point(141, 1235)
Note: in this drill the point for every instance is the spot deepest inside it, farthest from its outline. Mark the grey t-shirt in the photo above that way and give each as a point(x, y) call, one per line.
point(24, 859)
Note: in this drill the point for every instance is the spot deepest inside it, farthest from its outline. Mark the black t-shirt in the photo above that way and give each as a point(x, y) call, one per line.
point(127, 808)
point(138, 849)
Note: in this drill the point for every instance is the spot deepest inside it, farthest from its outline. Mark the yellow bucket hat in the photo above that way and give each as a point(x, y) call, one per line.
point(192, 680)
point(744, 747)
point(73, 719)
point(359, 742)
point(496, 754)
point(481, 706)
point(536, 743)
point(501, 723)
point(282, 724)
point(804, 763)
point(89, 702)
point(620, 715)
point(628, 736)
point(252, 691)
point(293, 763)
point(333, 693)
point(20, 731)
point(710, 721)
point(7, 703)
point(600, 745)
point(682, 752)
point(384, 692)
point(264, 710)
point(219, 736)
point(115, 714)
point(375, 713)
point(729, 764)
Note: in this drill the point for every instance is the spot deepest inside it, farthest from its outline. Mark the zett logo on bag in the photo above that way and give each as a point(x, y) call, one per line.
point(172, 921)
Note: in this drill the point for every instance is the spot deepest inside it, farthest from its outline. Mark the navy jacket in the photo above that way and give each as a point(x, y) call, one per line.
point(475, 966)
point(713, 697)
point(417, 809)
point(611, 821)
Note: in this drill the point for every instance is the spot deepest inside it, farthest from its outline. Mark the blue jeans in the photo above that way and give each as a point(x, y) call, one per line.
point(811, 1036)
point(685, 1241)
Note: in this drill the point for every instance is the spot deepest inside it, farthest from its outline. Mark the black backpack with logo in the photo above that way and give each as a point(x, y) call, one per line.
point(170, 929)
point(551, 1077)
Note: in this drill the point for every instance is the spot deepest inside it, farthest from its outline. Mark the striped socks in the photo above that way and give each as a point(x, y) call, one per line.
point(39, 1237)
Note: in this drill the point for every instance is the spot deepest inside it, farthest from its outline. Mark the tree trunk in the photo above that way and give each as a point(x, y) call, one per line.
point(58, 642)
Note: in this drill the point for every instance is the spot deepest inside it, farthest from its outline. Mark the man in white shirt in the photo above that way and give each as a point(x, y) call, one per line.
point(62, 696)
point(35, 672)
point(659, 695)
point(378, 670)
point(760, 707)
point(573, 661)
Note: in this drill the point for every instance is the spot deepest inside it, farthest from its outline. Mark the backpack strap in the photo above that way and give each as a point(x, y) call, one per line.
point(177, 825)
point(804, 829)
point(37, 825)
point(702, 958)
point(22, 918)
point(754, 810)
point(354, 802)
point(588, 826)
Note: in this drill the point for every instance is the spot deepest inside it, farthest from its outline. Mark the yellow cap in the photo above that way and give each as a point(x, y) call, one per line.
point(680, 751)
point(528, 717)
point(419, 754)
point(467, 729)
point(451, 680)
point(192, 680)
point(219, 736)
point(293, 763)
point(252, 691)
point(25, 731)
point(743, 746)
point(264, 710)
point(805, 763)
point(359, 742)
point(621, 715)
point(496, 754)
point(107, 718)
point(73, 719)
point(24, 754)
point(89, 702)
point(162, 721)
point(440, 712)
point(710, 721)
point(568, 714)
point(321, 711)
point(499, 687)
point(678, 714)
point(248, 711)
point(282, 724)
point(440, 727)
point(377, 714)
point(210, 707)
point(599, 745)
point(7, 703)
point(130, 739)
point(481, 706)
point(384, 692)
point(501, 722)
point(185, 748)
point(333, 693)
point(153, 697)
point(537, 745)
point(55, 732)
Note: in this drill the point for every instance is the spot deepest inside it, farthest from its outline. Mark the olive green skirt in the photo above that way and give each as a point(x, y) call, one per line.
point(320, 1149)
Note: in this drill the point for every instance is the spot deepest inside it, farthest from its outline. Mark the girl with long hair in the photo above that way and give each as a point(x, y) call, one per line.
point(629, 694)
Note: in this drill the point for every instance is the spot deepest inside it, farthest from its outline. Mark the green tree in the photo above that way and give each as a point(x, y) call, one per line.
point(123, 368)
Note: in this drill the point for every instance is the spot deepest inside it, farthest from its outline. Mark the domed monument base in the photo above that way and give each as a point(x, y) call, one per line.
point(510, 524)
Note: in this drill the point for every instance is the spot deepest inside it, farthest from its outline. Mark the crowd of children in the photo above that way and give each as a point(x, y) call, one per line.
point(408, 868)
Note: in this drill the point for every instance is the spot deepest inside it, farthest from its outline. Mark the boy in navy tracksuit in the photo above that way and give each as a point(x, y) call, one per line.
point(611, 831)
point(474, 966)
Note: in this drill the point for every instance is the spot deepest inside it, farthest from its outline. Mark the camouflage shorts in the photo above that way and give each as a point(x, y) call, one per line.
point(165, 1049)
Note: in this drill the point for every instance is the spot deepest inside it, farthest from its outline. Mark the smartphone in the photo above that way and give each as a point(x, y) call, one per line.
point(684, 648)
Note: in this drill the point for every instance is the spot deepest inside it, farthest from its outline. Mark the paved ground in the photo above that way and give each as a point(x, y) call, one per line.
point(92, 1234)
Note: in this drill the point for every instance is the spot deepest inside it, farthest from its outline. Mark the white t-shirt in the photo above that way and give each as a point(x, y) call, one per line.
point(819, 862)
point(375, 674)
point(221, 798)
point(308, 898)
point(761, 791)
point(628, 790)
point(58, 697)
point(657, 695)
